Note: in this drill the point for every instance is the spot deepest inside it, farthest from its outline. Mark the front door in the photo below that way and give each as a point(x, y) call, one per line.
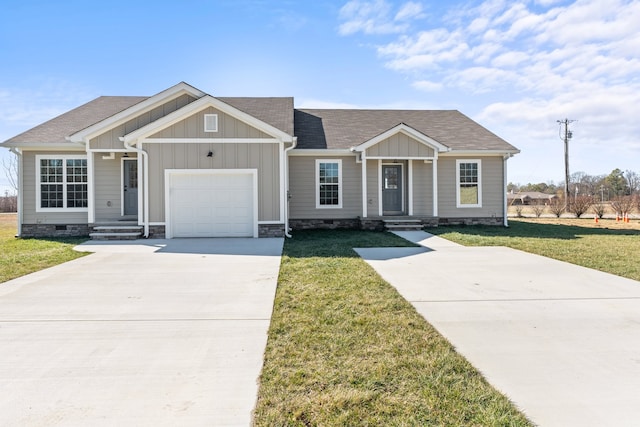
point(392, 189)
point(130, 186)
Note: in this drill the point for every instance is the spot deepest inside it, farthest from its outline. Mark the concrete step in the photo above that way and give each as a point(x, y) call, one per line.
point(403, 224)
point(115, 236)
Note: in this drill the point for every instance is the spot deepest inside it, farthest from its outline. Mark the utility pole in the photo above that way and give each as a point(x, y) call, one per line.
point(566, 137)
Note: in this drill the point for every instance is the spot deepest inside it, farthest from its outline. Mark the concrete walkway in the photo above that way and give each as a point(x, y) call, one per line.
point(145, 333)
point(561, 341)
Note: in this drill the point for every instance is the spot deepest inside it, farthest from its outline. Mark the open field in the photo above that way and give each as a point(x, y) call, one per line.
point(23, 256)
point(346, 349)
point(609, 246)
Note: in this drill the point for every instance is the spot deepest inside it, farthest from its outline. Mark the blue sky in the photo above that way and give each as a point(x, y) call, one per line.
point(516, 67)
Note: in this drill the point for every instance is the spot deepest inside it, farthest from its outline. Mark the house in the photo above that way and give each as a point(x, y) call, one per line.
point(530, 198)
point(183, 163)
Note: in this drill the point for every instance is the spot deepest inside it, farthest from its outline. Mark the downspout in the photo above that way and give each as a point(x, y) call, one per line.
point(505, 219)
point(145, 184)
point(18, 154)
point(286, 183)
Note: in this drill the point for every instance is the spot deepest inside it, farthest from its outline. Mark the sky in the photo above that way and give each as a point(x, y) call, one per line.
point(516, 67)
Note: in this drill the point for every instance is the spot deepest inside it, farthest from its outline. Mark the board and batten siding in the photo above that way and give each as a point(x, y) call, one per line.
point(193, 127)
point(107, 186)
point(302, 187)
point(399, 146)
point(29, 214)
point(110, 139)
point(493, 191)
point(263, 157)
point(422, 188)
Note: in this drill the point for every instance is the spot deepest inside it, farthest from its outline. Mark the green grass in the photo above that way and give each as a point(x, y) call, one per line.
point(581, 242)
point(23, 256)
point(346, 349)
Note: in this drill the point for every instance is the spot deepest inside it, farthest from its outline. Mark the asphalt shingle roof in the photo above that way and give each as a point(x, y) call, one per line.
point(278, 112)
point(341, 129)
point(55, 130)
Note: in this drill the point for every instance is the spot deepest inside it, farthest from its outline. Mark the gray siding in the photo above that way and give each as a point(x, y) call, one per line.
point(193, 127)
point(110, 139)
point(30, 216)
point(400, 145)
point(493, 191)
point(422, 188)
point(373, 183)
point(302, 186)
point(108, 179)
point(263, 157)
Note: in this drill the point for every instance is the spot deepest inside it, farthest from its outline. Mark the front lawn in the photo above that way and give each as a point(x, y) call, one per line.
point(346, 349)
point(23, 256)
point(609, 246)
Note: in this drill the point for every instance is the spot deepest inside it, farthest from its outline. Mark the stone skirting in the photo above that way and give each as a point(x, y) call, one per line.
point(498, 220)
point(156, 232)
point(55, 230)
point(270, 230)
point(324, 224)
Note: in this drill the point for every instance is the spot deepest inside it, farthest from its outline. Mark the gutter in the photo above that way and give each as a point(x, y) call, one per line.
point(286, 184)
point(17, 152)
point(145, 184)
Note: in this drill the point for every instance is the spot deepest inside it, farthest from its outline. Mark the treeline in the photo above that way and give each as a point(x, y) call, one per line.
point(603, 187)
point(8, 203)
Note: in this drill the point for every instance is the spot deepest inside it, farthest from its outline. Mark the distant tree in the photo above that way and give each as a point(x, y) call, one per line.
point(617, 182)
point(10, 167)
point(512, 188)
point(581, 205)
point(633, 181)
point(556, 206)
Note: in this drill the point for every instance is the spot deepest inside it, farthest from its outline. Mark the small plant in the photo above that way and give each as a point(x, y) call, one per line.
point(538, 209)
point(556, 206)
point(599, 209)
point(622, 205)
point(518, 209)
point(581, 205)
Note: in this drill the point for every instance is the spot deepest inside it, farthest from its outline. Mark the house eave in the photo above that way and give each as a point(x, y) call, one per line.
point(454, 153)
point(31, 146)
point(321, 152)
point(180, 89)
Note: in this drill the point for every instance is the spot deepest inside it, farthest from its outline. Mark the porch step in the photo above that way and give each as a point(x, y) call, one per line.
point(403, 224)
point(116, 232)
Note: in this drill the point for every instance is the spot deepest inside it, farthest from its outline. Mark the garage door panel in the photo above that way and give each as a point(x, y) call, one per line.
point(212, 204)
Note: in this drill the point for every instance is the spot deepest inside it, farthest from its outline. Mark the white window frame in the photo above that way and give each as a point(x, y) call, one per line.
point(214, 117)
point(64, 158)
point(466, 205)
point(317, 183)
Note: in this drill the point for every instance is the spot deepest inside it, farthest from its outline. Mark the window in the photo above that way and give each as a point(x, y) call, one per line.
point(469, 187)
point(328, 183)
point(211, 123)
point(62, 183)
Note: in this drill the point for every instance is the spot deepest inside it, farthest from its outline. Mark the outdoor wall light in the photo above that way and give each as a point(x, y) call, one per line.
point(210, 153)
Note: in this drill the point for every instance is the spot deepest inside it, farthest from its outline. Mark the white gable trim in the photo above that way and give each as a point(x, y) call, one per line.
point(407, 130)
point(200, 105)
point(149, 104)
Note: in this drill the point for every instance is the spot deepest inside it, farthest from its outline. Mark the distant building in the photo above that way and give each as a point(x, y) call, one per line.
point(530, 198)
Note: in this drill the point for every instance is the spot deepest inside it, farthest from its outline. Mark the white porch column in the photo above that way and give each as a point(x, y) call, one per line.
point(410, 189)
point(363, 158)
point(91, 195)
point(435, 185)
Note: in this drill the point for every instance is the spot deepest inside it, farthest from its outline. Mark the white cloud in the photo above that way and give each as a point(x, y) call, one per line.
point(525, 64)
point(377, 17)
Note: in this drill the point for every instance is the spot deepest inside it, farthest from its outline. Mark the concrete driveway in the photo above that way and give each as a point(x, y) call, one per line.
point(561, 341)
point(145, 333)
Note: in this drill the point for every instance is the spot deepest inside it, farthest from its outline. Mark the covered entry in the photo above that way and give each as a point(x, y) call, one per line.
point(211, 203)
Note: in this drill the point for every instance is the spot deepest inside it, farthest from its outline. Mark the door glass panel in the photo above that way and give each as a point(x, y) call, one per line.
point(391, 178)
point(132, 179)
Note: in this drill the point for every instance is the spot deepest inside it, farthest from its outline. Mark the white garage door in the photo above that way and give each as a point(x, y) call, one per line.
point(211, 204)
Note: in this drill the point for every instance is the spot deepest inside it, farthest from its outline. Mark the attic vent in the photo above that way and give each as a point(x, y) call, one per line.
point(211, 123)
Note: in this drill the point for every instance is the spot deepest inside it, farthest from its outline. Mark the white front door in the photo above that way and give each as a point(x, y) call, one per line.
point(212, 204)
